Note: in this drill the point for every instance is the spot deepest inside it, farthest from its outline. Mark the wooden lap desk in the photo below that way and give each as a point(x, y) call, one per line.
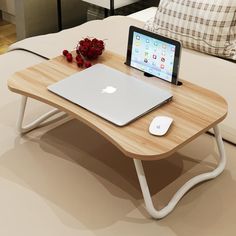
point(194, 109)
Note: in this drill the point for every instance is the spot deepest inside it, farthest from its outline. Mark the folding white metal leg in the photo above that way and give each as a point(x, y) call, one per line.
point(40, 121)
point(188, 185)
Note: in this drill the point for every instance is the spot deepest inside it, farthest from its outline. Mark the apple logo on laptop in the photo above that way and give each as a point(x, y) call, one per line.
point(109, 89)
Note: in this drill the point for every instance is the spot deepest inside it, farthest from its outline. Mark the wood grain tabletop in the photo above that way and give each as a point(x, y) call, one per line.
point(193, 108)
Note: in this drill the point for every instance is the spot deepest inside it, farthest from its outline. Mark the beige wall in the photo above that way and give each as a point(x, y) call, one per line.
point(40, 17)
point(7, 7)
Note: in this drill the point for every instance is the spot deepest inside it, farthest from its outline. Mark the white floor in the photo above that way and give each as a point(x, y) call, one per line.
point(67, 180)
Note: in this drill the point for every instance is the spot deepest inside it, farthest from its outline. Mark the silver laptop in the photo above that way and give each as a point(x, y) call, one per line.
point(110, 94)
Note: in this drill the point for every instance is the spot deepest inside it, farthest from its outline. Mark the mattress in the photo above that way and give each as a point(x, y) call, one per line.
point(207, 71)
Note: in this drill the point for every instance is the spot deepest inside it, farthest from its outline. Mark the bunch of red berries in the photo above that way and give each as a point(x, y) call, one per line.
point(90, 49)
point(87, 49)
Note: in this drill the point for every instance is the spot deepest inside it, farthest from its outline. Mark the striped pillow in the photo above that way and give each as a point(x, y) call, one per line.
point(208, 26)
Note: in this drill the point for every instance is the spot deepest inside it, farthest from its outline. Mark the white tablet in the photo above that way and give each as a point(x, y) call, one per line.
point(153, 54)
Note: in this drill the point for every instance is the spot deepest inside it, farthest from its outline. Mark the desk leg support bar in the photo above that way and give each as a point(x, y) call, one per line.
point(158, 214)
point(40, 121)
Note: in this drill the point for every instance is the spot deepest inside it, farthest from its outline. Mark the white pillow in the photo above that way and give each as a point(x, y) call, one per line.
point(208, 26)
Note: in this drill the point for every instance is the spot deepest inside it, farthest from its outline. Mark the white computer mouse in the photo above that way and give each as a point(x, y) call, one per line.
point(160, 125)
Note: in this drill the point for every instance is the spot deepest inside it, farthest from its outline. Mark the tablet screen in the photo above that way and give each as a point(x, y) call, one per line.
point(153, 54)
